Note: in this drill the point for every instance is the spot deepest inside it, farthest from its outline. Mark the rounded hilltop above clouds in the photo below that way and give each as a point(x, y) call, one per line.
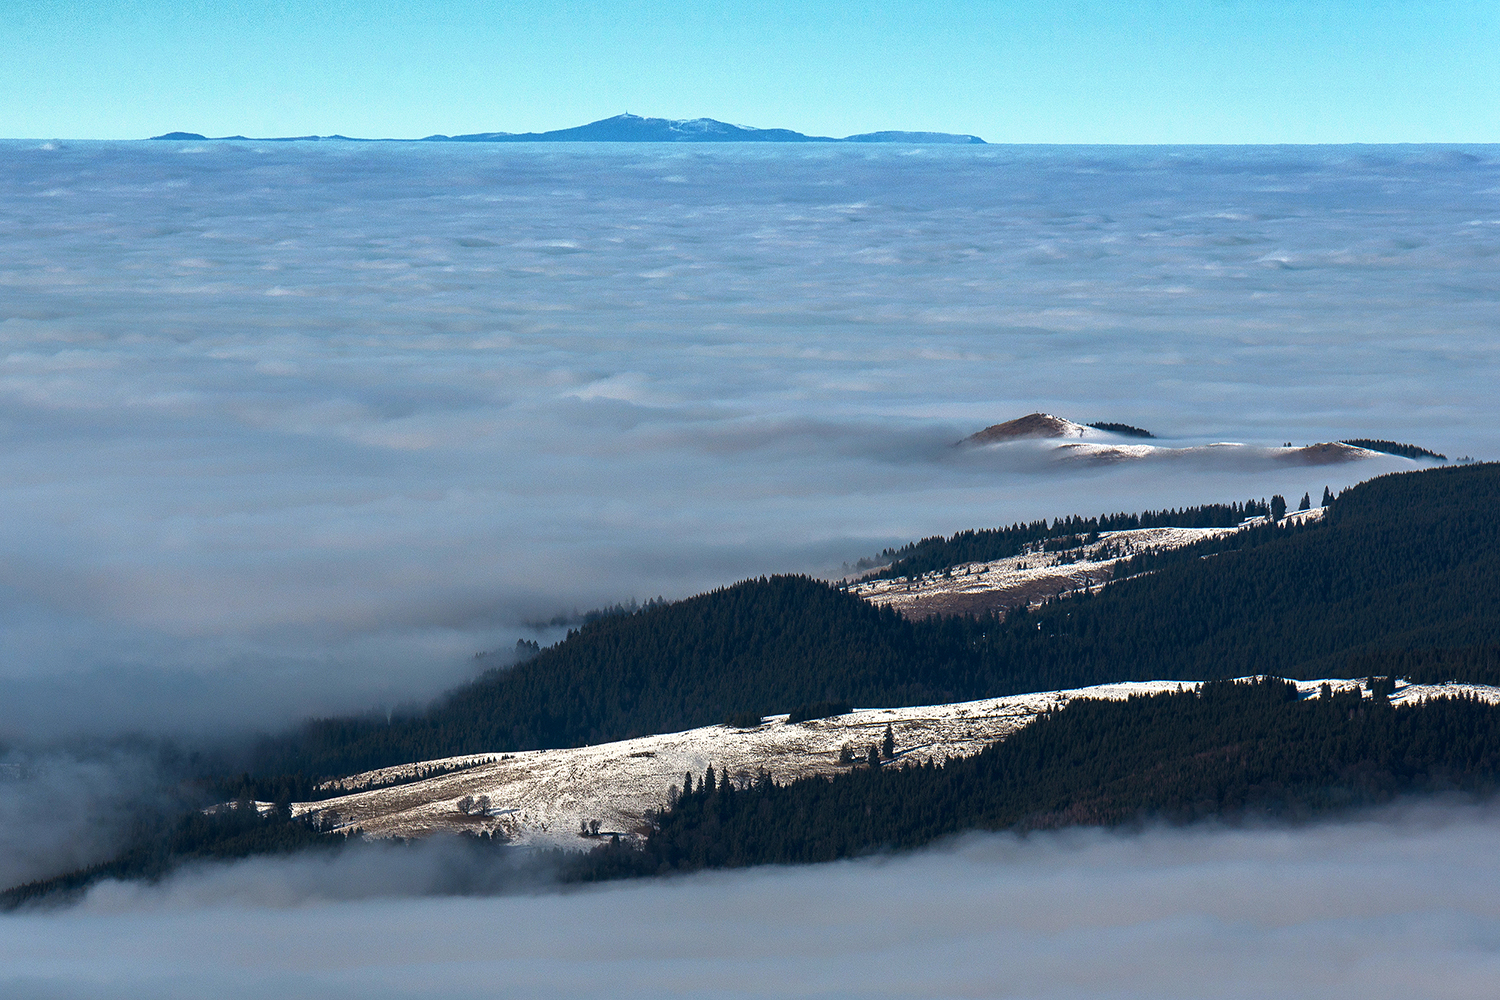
point(1111, 442)
point(1033, 425)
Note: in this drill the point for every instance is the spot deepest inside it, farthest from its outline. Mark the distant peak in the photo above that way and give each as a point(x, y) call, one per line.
point(627, 127)
point(1033, 425)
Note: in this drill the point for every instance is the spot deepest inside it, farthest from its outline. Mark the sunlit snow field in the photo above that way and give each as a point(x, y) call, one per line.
point(292, 428)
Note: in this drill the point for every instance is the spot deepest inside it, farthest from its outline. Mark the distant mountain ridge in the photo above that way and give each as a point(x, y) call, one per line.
point(633, 128)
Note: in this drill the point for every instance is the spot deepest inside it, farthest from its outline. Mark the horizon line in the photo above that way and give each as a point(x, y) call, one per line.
point(460, 138)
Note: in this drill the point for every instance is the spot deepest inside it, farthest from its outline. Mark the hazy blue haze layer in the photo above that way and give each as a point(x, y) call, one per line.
point(298, 427)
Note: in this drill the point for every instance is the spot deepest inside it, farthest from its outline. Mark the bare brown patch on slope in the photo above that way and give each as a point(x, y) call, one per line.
point(999, 599)
point(1327, 453)
point(1033, 425)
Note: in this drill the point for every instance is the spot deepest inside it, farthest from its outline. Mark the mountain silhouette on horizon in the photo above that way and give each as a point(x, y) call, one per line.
point(634, 128)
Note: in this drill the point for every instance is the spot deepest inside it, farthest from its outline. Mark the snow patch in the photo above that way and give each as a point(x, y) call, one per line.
point(1037, 575)
point(545, 797)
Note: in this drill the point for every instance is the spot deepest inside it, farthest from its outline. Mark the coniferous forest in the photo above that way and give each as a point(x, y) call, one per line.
point(1234, 750)
point(1403, 562)
point(985, 544)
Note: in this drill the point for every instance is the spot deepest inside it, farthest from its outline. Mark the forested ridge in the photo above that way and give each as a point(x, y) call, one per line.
point(1233, 750)
point(986, 544)
point(1395, 448)
point(1403, 562)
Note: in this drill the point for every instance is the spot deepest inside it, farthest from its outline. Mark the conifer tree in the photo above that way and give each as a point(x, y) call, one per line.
point(1306, 502)
point(1278, 507)
point(1327, 496)
point(888, 745)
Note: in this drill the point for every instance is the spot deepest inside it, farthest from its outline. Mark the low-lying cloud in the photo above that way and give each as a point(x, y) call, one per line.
point(1396, 904)
point(294, 429)
point(64, 808)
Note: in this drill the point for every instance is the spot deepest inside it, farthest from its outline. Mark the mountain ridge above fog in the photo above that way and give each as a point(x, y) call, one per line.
point(631, 128)
point(1108, 441)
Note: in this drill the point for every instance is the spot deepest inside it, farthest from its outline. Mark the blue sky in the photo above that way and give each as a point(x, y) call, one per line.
point(1226, 71)
point(1229, 71)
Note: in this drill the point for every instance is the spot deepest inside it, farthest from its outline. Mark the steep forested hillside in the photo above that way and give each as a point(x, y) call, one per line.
point(760, 646)
point(1235, 749)
point(1403, 562)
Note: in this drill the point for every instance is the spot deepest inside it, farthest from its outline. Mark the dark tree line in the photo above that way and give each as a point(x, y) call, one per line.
point(1125, 429)
point(1236, 750)
point(1433, 665)
point(1395, 448)
point(986, 544)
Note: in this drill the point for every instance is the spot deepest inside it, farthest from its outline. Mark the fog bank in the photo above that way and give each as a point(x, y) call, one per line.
point(298, 428)
point(64, 808)
point(1396, 904)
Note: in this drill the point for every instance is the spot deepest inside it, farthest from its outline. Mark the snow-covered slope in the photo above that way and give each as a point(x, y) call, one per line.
point(1036, 575)
point(1029, 427)
point(1064, 439)
point(541, 797)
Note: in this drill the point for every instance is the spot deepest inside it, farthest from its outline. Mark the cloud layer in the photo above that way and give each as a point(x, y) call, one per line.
point(292, 429)
point(1397, 904)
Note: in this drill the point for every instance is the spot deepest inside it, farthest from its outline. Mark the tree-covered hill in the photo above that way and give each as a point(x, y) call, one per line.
point(1233, 750)
point(760, 646)
point(1406, 561)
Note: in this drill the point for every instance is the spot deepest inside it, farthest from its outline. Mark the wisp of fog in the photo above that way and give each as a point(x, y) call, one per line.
point(1400, 903)
point(297, 428)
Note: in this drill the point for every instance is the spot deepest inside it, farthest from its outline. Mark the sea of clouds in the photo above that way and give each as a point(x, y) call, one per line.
point(290, 429)
point(296, 428)
point(1400, 903)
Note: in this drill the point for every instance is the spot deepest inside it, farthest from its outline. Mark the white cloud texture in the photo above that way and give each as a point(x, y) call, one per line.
point(1397, 904)
point(297, 428)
